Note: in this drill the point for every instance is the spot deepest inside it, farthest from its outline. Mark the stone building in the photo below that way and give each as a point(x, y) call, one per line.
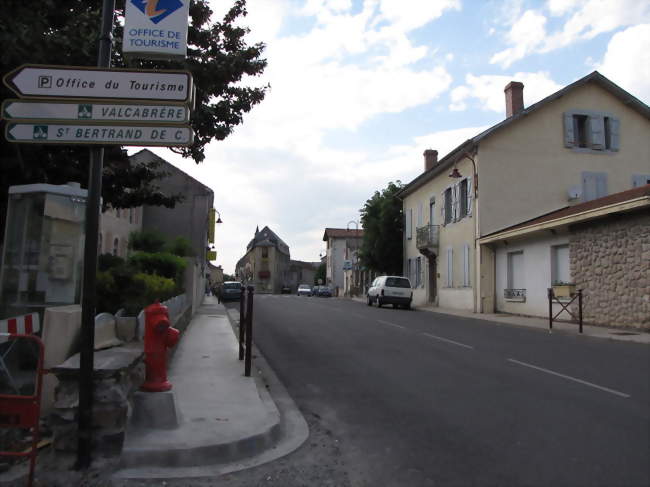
point(266, 262)
point(601, 246)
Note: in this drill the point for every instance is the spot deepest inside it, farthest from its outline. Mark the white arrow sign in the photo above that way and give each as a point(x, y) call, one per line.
point(115, 112)
point(63, 133)
point(81, 82)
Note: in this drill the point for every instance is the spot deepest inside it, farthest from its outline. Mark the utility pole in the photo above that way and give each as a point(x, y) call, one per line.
point(88, 304)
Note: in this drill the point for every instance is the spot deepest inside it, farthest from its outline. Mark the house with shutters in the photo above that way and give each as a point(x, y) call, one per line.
point(587, 141)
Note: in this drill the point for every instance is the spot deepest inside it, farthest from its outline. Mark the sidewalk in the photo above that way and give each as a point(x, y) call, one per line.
point(610, 333)
point(224, 417)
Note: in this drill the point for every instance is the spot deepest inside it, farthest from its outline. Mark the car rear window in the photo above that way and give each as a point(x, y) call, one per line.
point(232, 285)
point(398, 282)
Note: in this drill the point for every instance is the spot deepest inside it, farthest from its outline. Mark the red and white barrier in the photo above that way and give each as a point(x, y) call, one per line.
point(20, 325)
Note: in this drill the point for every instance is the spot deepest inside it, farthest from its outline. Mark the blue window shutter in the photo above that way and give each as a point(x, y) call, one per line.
point(569, 133)
point(450, 266)
point(639, 180)
point(601, 185)
point(466, 265)
point(597, 129)
point(614, 133)
point(442, 209)
point(470, 196)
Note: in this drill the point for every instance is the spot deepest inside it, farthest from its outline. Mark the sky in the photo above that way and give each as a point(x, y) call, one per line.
point(360, 88)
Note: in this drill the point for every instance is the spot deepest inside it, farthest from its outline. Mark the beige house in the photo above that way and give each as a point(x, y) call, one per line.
point(266, 262)
point(114, 229)
point(586, 141)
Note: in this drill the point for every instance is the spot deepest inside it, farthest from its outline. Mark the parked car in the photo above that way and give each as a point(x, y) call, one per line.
point(285, 289)
point(231, 291)
point(324, 291)
point(395, 290)
point(304, 290)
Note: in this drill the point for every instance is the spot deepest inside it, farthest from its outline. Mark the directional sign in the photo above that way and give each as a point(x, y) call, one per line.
point(92, 111)
point(70, 133)
point(32, 80)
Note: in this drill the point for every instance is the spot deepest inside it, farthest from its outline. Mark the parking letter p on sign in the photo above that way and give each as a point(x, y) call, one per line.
point(156, 29)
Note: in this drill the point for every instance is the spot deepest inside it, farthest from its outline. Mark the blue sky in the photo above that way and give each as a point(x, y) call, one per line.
point(360, 88)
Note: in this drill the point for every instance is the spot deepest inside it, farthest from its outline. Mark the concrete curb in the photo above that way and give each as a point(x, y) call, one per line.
point(283, 438)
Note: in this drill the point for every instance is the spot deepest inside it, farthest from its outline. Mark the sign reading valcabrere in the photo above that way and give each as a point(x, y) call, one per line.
point(97, 83)
point(155, 29)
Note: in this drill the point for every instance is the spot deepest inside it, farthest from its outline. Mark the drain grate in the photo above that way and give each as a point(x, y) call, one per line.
point(623, 333)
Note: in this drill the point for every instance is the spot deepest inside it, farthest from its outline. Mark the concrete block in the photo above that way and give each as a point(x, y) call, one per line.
point(126, 327)
point(155, 410)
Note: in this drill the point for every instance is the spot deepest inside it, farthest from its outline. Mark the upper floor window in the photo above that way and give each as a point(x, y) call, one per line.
point(265, 252)
point(588, 130)
point(457, 201)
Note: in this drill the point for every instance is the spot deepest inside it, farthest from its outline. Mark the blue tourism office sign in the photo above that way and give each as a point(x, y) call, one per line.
point(156, 29)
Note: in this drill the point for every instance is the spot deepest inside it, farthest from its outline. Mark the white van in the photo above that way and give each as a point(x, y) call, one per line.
point(395, 290)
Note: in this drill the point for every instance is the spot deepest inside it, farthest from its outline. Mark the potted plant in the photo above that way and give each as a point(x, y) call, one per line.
point(563, 289)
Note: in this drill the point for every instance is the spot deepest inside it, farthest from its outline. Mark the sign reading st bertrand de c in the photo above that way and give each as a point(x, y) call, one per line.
point(156, 29)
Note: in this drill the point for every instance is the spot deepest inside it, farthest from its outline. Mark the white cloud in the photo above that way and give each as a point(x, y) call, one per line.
point(627, 61)
point(416, 14)
point(488, 90)
point(525, 35)
point(583, 21)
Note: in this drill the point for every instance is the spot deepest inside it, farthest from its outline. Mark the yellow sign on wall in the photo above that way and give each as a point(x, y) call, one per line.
point(212, 255)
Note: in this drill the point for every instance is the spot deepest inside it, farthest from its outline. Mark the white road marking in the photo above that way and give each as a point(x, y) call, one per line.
point(584, 382)
point(392, 324)
point(448, 340)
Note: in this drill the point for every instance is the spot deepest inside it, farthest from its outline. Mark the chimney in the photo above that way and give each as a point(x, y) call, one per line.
point(430, 159)
point(514, 98)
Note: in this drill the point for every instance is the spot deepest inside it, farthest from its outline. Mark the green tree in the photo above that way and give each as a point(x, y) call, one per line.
point(65, 32)
point(382, 221)
point(321, 273)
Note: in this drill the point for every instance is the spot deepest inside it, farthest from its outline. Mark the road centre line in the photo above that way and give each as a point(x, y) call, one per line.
point(568, 377)
point(448, 340)
point(392, 324)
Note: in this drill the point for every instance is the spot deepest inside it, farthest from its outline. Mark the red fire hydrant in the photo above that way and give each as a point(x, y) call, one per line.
point(158, 337)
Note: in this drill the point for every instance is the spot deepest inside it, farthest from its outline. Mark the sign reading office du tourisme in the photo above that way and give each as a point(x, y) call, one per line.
point(156, 29)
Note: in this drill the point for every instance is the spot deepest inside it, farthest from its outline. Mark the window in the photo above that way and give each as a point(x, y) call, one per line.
point(409, 224)
point(639, 180)
point(131, 219)
point(116, 246)
point(265, 252)
point(516, 270)
point(560, 271)
point(450, 267)
point(462, 199)
point(448, 206)
point(594, 185)
point(595, 131)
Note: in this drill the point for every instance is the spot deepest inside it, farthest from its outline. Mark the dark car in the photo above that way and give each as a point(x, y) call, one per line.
point(285, 290)
point(231, 291)
point(324, 292)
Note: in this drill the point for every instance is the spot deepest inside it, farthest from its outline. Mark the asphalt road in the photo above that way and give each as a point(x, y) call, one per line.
point(414, 398)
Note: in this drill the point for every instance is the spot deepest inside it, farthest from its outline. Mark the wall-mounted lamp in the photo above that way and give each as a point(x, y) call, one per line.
point(218, 216)
point(455, 173)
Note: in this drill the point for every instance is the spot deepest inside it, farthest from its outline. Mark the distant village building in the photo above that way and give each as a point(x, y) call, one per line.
point(267, 265)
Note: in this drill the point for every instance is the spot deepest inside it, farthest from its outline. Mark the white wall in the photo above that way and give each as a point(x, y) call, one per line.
point(537, 273)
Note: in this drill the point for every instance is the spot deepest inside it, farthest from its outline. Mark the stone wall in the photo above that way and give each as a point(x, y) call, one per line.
point(610, 262)
point(118, 372)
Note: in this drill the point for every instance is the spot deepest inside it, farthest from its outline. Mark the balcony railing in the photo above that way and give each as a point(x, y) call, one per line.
point(514, 294)
point(427, 237)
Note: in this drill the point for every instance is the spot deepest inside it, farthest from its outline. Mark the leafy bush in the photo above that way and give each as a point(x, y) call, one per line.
point(108, 261)
point(181, 247)
point(153, 288)
point(161, 263)
point(147, 241)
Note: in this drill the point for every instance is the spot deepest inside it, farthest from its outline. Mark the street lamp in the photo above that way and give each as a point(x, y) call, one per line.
point(455, 173)
point(218, 216)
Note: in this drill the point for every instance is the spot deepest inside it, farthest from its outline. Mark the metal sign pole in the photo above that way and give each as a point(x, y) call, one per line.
point(86, 363)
